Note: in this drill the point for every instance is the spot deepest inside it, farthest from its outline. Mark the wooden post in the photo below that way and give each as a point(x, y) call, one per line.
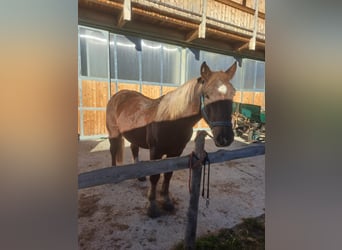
point(191, 225)
point(203, 24)
point(252, 41)
point(125, 14)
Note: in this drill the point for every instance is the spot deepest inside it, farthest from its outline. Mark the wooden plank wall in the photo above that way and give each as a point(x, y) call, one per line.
point(95, 95)
point(215, 9)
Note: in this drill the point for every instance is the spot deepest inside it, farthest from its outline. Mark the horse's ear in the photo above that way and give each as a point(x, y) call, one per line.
point(231, 71)
point(205, 71)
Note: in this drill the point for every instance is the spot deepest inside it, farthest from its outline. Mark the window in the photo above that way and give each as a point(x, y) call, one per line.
point(171, 64)
point(127, 51)
point(260, 75)
point(94, 52)
point(216, 62)
point(193, 63)
point(249, 74)
point(151, 61)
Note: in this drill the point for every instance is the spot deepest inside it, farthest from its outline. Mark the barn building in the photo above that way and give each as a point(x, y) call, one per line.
point(153, 46)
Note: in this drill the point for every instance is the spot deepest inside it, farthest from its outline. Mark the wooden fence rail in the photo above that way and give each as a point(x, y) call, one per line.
point(147, 168)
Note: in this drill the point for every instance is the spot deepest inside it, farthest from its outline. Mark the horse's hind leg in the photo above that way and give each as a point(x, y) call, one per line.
point(167, 202)
point(135, 153)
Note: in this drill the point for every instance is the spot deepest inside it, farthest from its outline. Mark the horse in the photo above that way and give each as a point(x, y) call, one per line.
point(165, 125)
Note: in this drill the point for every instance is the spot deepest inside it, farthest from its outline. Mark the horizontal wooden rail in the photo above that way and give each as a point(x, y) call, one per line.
point(116, 174)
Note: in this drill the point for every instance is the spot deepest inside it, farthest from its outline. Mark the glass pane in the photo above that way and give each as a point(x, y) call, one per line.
point(260, 75)
point(171, 64)
point(249, 70)
point(193, 63)
point(217, 62)
point(83, 55)
point(112, 55)
point(151, 61)
point(94, 52)
point(127, 57)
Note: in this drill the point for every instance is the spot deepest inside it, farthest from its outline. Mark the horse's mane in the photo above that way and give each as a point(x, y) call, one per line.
point(175, 103)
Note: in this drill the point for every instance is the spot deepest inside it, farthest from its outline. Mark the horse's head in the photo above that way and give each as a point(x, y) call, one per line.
point(216, 103)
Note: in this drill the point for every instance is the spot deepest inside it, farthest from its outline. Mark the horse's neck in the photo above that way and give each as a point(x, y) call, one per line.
point(181, 103)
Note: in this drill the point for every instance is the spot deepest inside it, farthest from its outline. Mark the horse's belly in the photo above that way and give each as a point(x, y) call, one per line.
point(170, 137)
point(137, 136)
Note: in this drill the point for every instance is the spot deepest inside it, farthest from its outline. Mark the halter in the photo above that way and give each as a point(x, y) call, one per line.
point(212, 123)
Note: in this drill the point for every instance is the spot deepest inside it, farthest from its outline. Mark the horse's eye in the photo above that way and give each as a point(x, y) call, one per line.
point(206, 96)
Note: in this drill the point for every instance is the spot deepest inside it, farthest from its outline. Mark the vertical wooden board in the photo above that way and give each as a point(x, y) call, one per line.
point(250, 4)
point(259, 99)
point(89, 122)
point(122, 86)
point(247, 97)
point(237, 97)
point(261, 6)
point(88, 93)
point(101, 94)
point(152, 91)
point(167, 89)
point(94, 93)
point(261, 25)
point(100, 122)
point(94, 122)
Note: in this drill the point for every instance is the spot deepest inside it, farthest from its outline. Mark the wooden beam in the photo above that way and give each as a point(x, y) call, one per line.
point(253, 39)
point(125, 14)
point(242, 47)
point(121, 21)
point(202, 26)
point(145, 168)
point(191, 36)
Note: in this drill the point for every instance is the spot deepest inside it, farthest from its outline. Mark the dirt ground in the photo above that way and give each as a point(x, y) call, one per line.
point(113, 216)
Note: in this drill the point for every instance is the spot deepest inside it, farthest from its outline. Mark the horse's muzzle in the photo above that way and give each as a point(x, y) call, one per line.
point(223, 141)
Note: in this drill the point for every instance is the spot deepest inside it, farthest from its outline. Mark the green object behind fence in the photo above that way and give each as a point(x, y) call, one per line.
point(250, 111)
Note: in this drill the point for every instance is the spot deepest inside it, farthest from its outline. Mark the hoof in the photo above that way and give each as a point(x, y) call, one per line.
point(168, 206)
point(153, 210)
point(142, 178)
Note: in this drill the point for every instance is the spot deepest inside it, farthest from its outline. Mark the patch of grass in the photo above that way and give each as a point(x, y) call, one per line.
point(250, 234)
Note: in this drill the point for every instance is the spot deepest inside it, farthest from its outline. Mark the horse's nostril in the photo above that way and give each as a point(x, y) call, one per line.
point(223, 141)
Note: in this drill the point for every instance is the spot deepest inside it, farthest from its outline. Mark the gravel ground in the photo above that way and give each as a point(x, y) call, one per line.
point(113, 216)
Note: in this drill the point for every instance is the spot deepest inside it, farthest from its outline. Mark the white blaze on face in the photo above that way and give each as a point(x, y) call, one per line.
point(222, 89)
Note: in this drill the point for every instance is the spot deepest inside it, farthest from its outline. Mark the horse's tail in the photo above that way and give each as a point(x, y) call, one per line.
point(120, 152)
point(117, 149)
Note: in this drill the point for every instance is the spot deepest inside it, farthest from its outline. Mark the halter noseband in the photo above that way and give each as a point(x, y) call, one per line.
point(212, 123)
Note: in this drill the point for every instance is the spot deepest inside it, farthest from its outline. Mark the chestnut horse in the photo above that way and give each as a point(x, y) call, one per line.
point(164, 125)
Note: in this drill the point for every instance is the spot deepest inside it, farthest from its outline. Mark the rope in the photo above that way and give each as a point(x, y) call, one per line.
point(206, 161)
point(203, 162)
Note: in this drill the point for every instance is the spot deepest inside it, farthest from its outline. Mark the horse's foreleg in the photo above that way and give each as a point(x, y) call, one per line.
point(153, 210)
point(135, 153)
point(167, 202)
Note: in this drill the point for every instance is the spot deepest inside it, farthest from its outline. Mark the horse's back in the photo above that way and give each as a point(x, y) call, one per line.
point(128, 110)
